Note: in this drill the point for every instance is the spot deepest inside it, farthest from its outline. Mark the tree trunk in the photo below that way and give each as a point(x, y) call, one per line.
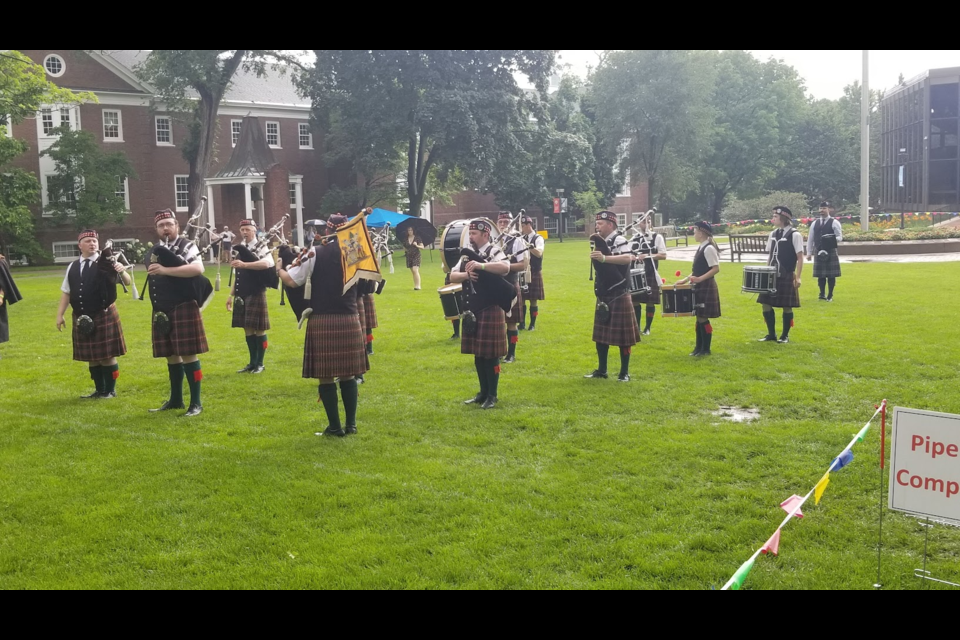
point(719, 195)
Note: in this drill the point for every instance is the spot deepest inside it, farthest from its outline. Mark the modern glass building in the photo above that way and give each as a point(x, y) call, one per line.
point(919, 132)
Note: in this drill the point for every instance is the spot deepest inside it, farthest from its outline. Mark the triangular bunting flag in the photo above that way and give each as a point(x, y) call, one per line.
point(863, 433)
point(737, 580)
point(842, 460)
point(791, 502)
point(821, 487)
point(772, 545)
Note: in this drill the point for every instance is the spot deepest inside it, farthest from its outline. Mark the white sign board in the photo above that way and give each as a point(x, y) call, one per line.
point(925, 463)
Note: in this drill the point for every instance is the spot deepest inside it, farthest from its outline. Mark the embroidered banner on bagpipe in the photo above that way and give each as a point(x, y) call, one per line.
point(356, 252)
point(792, 504)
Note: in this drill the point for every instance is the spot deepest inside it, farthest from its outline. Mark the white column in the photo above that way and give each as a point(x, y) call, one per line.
point(248, 200)
point(211, 214)
point(299, 191)
point(261, 221)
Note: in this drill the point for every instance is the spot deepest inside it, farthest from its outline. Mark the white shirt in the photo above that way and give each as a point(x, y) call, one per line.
point(710, 253)
point(496, 255)
point(537, 241)
point(796, 239)
point(65, 287)
point(518, 248)
point(227, 236)
point(620, 244)
point(299, 274)
point(811, 237)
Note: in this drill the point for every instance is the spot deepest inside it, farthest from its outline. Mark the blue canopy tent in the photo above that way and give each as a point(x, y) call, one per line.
point(380, 217)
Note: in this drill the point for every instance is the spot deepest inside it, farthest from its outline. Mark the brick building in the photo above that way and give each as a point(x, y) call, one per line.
point(126, 119)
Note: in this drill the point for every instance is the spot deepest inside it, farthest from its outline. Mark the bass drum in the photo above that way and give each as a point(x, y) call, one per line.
point(456, 235)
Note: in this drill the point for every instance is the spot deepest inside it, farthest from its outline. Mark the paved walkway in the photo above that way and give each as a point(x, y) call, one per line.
point(686, 254)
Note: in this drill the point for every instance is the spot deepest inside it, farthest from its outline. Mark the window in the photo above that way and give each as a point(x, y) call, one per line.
point(123, 192)
point(46, 117)
point(293, 195)
point(112, 126)
point(273, 135)
point(65, 117)
point(9, 127)
point(306, 138)
point(622, 220)
point(625, 189)
point(164, 130)
point(550, 224)
point(66, 251)
point(235, 131)
point(182, 193)
point(54, 65)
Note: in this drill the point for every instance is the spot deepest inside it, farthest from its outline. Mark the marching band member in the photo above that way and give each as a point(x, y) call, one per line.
point(614, 322)
point(248, 298)
point(177, 333)
point(535, 293)
point(334, 344)
point(652, 248)
point(706, 264)
point(826, 261)
point(515, 248)
point(785, 246)
point(97, 333)
point(488, 343)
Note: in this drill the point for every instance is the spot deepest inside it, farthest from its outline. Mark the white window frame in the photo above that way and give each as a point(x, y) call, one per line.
point(126, 193)
point(300, 129)
point(625, 188)
point(267, 134)
point(622, 220)
point(45, 195)
point(177, 192)
point(63, 65)
point(61, 259)
point(550, 224)
point(235, 135)
point(56, 119)
point(293, 195)
point(9, 126)
point(119, 137)
point(156, 130)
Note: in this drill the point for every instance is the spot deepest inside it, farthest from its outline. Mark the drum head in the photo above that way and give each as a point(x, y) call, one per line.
point(450, 288)
point(455, 236)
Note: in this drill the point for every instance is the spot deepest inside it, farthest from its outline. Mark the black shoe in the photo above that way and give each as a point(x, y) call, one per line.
point(623, 378)
point(108, 394)
point(193, 410)
point(330, 431)
point(167, 406)
point(350, 429)
point(645, 332)
point(246, 369)
point(821, 297)
point(489, 403)
point(510, 359)
point(531, 327)
point(455, 336)
point(257, 369)
point(369, 348)
point(597, 374)
point(695, 352)
point(705, 352)
point(829, 298)
point(95, 394)
point(477, 399)
point(521, 327)
point(768, 339)
point(784, 340)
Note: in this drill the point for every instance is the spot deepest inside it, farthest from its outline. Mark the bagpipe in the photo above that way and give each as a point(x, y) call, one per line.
point(110, 257)
point(606, 272)
point(197, 288)
point(489, 288)
point(266, 278)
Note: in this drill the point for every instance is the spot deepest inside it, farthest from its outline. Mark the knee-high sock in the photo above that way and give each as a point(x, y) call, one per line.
point(831, 282)
point(328, 396)
point(194, 375)
point(513, 337)
point(176, 383)
point(252, 347)
point(110, 375)
point(261, 348)
point(350, 395)
point(523, 315)
point(481, 366)
point(821, 282)
point(602, 351)
point(456, 327)
point(699, 328)
point(707, 330)
point(534, 312)
point(787, 323)
point(651, 312)
point(493, 375)
point(96, 374)
point(770, 317)
point(638, 312)
point(624, 361)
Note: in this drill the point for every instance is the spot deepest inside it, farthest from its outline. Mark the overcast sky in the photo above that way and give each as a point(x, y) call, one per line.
point(826, 73)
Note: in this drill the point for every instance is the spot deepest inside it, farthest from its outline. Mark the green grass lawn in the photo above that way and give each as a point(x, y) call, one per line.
point(568, 483)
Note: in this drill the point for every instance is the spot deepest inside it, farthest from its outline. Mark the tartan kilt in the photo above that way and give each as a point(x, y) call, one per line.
point(252, 314)
point(707, 301)
point(413, 257)
point(186, 337)
point(334, 346)
point(827, 266)
point(648, 298)
point(535, 292)
point(107, 339)
point(362, 314)
point(786, 296)
point(621, 330)
point(516, 311)
point(369, 312)
point(490, 339)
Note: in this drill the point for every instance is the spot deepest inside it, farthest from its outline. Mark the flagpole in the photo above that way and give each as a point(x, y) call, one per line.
point(865, 147)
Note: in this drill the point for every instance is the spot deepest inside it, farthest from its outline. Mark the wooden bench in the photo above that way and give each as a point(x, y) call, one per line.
point(670, 232)
point(740, 244)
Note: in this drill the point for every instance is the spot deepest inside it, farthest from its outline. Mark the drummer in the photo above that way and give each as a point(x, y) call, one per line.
point(706, 264)
point(785, 247)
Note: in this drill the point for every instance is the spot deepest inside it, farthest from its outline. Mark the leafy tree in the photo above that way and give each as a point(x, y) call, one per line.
point(24, 88)
point(442, 109)
point(761, 208)
point(192, 83)
point(89, 184)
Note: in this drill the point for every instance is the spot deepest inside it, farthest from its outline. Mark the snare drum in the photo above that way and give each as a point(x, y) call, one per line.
point(638, 283)
point(758, 279)
point(678, 300)
point(524, 281)
point(451, 297)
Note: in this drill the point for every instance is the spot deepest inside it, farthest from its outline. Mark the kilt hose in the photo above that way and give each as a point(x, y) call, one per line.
point(490, 338)
point(648, 298)
point(621, 329)
point(252, 314)
point(827, 266)
point(787, 295)
point(707, 299)
point(186, 337)
point(369, 312)
point(536, 286)
point(516, 311)
point(334, 346)
point(105, 342)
